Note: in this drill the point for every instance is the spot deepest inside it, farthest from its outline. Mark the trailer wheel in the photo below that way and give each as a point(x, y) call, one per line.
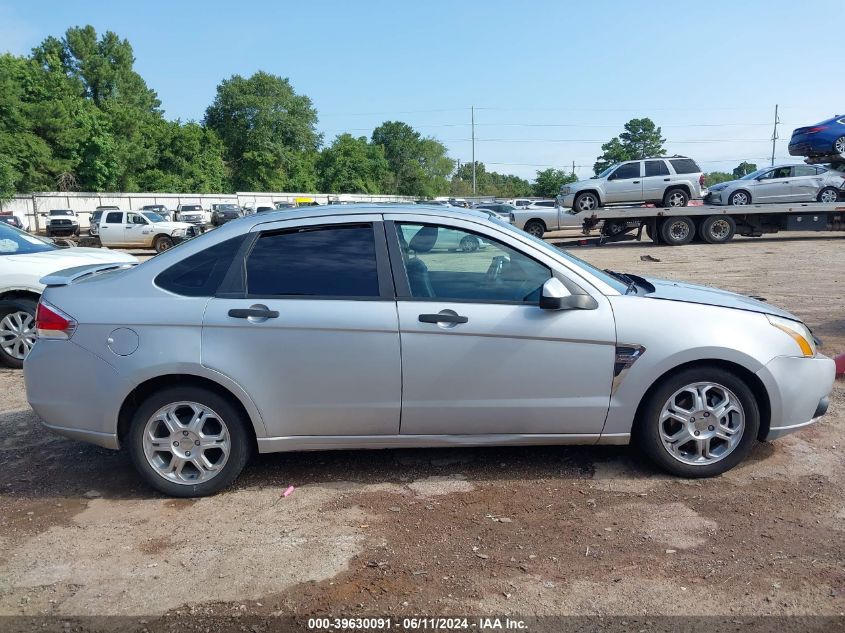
point(717, 229)
point(677, 231)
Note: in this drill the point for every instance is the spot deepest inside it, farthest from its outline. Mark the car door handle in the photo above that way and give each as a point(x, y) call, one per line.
point(443, 318)
point(254, 313)
point(636, 182)
point(666, 179)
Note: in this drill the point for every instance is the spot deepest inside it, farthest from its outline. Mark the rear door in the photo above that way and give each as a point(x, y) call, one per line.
point(625, 184)
point(479, 356)
point(111, 227)
point(656, 180)
point(308, 326)
point(807, 181)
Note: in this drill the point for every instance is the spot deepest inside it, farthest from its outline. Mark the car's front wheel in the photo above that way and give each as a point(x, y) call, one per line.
point(700, 422)
point(17, 331)
point(586, 201)
point(162, 243)
point(739, 198)
point(188, 441)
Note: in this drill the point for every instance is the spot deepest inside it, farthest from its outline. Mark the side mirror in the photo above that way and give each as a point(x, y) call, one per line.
point(555, 296)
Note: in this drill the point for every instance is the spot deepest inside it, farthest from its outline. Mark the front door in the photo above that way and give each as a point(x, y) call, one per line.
point(479, 356)
point(773, 186)
point(313, 334)
point(137, 230)
point(625, 184)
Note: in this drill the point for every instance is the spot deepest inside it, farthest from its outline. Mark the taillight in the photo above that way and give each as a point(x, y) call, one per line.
point(814, 130)
point(701, 180)
point(50, 322)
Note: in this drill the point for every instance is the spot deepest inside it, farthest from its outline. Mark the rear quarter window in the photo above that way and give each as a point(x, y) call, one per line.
point(200, 274)
point(684, 166)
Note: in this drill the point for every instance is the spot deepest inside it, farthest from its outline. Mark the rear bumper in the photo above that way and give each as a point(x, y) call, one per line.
point(803, 146)
point(798, 391)
point(56, 373)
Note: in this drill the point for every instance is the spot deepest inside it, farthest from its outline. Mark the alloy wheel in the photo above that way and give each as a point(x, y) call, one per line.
point(587, 202)
point(17, 334)
point(701, 423)
point(739, 198)
point(677, 199)
point(839, 145)
point(186, 443)
point(829, 195)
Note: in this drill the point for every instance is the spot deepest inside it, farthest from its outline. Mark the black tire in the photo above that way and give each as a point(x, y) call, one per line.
point(831, 192)
point(535, 228)
point(588, 200)
point(470, 244)
point(677, 231)
point(27, 306)
point(615, 227)
point(162, 243)
point(647, 429)
point(740, 197)
point(717, 229)
point(675, 198)
point(240, 438)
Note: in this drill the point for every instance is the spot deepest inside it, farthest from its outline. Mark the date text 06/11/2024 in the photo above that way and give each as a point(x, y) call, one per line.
point(417, 624)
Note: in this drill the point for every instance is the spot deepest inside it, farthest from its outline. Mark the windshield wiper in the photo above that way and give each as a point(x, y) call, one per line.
point(627, 280)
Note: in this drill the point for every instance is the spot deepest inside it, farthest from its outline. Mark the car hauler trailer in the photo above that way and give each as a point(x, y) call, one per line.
point(676, 226)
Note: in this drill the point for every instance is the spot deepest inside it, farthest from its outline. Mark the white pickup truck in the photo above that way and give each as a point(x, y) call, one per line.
point(142, 229)
point(539, 219)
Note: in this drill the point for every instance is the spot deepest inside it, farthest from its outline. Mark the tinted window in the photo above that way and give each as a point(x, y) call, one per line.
point(449, 263)
point(684, 166)
point(656, 168)
point(336, 261)
point(545, 203)
point(200, 274)
point(626, 171)
point(114, 218)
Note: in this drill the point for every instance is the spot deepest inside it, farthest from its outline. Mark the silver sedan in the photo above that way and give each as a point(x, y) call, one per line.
point(780, 183)
point(341, 327)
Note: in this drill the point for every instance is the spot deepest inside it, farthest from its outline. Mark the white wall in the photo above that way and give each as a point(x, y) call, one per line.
point(31, 209)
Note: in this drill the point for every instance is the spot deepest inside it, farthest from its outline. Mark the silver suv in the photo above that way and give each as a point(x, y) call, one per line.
point(667, 182)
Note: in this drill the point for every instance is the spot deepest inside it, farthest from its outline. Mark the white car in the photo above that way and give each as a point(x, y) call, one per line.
point(142, 229)
point(443, 239)
point(62, 223)
point(24, 260)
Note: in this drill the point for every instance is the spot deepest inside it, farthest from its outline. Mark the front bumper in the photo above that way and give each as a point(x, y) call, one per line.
point(64, 229)
point(713, 197)
point(798, 389)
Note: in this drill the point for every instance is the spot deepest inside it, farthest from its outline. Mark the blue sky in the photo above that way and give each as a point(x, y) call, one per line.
point(550, 80)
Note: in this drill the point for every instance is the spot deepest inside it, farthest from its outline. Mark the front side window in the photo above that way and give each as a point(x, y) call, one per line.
point(322, 261)
point(627, 171)
point(135, 218)
point(449, 263)
point(656, 168)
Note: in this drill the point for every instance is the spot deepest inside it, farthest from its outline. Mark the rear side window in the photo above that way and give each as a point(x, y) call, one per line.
point(114, 218)
point(200, 274)
point(545, 203)
point(684, 166)
point(806, 170)
point(327, 261)
point(656, 168)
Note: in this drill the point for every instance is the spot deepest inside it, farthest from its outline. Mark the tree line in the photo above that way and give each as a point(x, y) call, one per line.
point(76, 116)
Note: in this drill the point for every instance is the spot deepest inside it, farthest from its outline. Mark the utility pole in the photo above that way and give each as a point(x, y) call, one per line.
point(775, 134)
point(472, 114)
point(573, 167)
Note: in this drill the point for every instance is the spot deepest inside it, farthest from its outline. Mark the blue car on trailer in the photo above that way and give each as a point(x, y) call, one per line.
point(822, 139)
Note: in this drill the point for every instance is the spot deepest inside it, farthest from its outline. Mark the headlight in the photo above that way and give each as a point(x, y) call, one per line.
point(799, 332)
point(179, 233)
point(716, 187)
point(565, 190)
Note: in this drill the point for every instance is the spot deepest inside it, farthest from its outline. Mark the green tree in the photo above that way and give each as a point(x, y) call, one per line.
point(743, 169)
point(488, 183)
point(418, 166)
point(641, 139)
point(352, 165)
point(715, 177)
point(549, 181)
point(7, 180)
point(189, 159)
point(268, 132)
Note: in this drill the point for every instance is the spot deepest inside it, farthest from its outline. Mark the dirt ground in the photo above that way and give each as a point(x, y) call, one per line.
point(531, 531)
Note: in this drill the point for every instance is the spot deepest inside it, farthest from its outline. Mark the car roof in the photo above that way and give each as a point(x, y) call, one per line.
point(331, 210)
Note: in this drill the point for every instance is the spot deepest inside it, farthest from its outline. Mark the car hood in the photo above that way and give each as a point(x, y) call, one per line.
point(694, 293)
point(39, 264)
point(171, 226)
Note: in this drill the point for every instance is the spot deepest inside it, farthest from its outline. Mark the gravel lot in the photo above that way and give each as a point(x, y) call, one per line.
point(563, 530)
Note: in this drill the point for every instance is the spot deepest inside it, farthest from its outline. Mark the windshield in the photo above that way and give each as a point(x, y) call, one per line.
point(192, 207)
point(16, 242)
point(152, 216)
point(227, 207)
point(61, 212)
point(580, 263)
point(605, 172)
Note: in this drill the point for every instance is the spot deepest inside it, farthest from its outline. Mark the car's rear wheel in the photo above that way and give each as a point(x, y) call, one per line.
point(839, 146)
point(586, 201)
point(535, 228)
point(188, 441)
point(470, 244)
point(828, 194)
point(162, 243)
point(17, 331)
point(700, 422)
point(677, 231)
point(675, 198)
point(717, 229)
point(739, 198)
